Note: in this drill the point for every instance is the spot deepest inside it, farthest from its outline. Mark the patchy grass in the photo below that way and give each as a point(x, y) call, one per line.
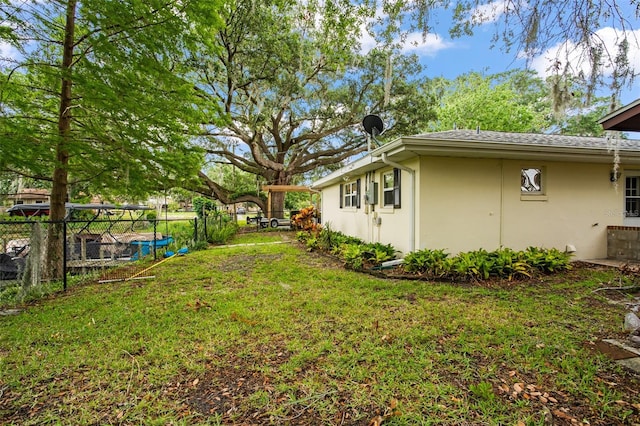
point(271, 334)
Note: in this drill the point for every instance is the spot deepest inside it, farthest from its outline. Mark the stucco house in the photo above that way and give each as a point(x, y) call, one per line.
point(463, 190)
point(30, 196)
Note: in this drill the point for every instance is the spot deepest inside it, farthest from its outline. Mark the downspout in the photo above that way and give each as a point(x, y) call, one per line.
point(412, 203)
point(501, 230)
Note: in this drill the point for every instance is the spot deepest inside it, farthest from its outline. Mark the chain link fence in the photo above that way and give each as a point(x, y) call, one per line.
point(111, 249)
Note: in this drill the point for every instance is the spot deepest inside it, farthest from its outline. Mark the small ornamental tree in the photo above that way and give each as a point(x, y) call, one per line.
point(305, 220)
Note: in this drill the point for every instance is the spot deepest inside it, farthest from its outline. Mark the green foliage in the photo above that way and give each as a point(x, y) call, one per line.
point(479, 265)
point(222, 233)
point(279, 70)
point(353, 256)
point(483, 391)
point(122, 138)
point(182, 233)
point(219, 227)
point(376, 253)
point(434, 263)
point(353, 251)
point(514, 101)
point(547, 260)
point(203, 206)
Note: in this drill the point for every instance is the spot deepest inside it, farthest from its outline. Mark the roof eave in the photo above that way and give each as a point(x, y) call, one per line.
point(625, 119)
point(411, 146)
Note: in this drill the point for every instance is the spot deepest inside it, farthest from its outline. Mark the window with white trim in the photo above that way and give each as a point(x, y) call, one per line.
point(391, 189)
point(632, 196)
point(350, 194)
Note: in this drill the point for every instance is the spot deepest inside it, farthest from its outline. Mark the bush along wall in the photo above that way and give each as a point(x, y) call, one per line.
point(478, 265)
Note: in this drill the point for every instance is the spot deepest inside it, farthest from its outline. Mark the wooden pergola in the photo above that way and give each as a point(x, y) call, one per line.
point(285, 188)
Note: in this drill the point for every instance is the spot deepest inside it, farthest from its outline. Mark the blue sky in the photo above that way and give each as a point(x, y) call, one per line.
point(449, 58)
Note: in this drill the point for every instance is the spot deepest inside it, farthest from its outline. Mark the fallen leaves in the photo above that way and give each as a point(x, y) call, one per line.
point(527, 391)
point(390, 411)
point(198, 304)
point(534, 393)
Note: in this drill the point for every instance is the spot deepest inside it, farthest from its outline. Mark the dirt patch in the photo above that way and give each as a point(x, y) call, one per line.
point(612, 351)
point(240, 393)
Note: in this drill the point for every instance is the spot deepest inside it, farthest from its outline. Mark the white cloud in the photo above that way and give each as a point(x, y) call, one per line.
point(415, 42)
point(576, 56)
point(8, 52)
point(428, 45)
point(425, 46)
point(488, 13)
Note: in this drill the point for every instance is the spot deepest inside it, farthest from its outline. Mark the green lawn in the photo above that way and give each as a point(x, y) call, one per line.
point(271, 334)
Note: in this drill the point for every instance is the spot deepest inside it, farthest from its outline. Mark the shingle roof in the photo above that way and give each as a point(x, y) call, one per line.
point(491, 144)
point(532, 139)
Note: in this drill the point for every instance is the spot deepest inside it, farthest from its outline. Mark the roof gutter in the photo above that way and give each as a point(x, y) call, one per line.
point(412, 204)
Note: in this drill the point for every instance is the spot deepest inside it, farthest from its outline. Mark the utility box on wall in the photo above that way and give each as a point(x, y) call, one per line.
point(371, 195)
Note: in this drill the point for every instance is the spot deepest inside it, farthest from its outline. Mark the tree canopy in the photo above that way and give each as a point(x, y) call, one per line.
point(98, 94)
point(104, 96)
point(294, 86)
point(513, 102)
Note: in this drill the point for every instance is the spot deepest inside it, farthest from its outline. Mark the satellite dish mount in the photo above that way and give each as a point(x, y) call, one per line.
point(374, 126)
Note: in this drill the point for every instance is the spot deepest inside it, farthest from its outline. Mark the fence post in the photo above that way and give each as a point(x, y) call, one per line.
point(64, 255)
point(155, 238)
point(204, 219)
point(195, 229)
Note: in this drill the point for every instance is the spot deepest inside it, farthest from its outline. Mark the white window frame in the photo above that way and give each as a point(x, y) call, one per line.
point(391, 195)
point(387, 178)
point(350, 195)
point(632, 196)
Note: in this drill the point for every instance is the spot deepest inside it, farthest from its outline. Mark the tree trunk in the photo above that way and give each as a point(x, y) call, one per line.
point(55, 243)
point(277, 198)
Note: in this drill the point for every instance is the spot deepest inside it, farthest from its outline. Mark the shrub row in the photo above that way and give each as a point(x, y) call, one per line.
point(477, 265)
point(355, 253)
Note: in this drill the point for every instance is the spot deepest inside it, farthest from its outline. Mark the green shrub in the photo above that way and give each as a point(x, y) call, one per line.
point(479, 265)
point(509, 264)
point(547, 260)
point(435, 263)
point(220, 228)
point(222, 234)
point(353, 255)
point(182, 233)
point(376, 253)
point(203, 206)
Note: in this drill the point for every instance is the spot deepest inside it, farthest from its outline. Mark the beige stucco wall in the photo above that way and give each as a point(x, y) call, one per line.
point(470, 203)
point(580, 202)
point(459, 204)
point(372, 223)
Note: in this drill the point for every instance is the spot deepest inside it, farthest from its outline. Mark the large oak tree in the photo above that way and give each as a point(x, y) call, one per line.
point(294, 84)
